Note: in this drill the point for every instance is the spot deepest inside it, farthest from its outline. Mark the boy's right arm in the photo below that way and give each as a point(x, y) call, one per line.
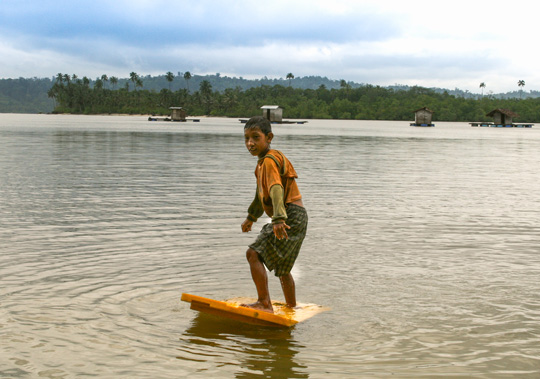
point(246, 225)
point(255, 211)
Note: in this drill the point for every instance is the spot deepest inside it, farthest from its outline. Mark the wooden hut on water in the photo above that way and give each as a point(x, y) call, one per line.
point(502, 116)
point(178, 114)
point(422, 117)
point(273, 113)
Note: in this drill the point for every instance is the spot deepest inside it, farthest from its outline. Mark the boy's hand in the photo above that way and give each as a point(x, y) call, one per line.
point(246, 225)
point(280, 231)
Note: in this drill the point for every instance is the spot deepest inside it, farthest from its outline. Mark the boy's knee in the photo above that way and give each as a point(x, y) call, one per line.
point(251, 254)
point(286, 278)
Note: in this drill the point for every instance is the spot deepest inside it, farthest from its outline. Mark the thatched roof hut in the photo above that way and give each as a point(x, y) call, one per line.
point(423, 116)
point(178, 114)
point(502, 116)
point(274, 113)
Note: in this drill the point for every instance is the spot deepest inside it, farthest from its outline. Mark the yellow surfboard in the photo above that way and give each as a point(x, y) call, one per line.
point(282, 316)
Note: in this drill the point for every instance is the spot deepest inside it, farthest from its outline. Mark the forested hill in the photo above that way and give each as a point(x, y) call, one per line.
point(25, 95)
point(302, 97)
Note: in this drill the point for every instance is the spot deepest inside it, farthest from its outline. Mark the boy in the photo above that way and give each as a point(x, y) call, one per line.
point(278, 243)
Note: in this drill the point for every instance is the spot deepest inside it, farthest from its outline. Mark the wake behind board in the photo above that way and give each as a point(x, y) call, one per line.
point(283, 315)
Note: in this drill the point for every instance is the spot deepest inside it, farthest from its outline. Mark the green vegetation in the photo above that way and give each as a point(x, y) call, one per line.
point(213, 95)
point(364, 102)
point(25, 95)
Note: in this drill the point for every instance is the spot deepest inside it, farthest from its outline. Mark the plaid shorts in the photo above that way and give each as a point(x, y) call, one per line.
point(279, 255)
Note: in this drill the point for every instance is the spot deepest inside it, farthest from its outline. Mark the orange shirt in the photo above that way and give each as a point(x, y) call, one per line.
point(275, 168)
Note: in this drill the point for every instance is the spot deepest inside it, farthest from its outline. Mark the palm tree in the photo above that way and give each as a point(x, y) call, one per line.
point(290, 76)
point(134, 77)
point(170, 77)
point(104, 78)
point(187, 76)
point(521, 84)
point(344, 85)
point(230, 98)
point(98, 84)
point(114, 81)
point(205, 89)
point(482, 86)
point(53, 93)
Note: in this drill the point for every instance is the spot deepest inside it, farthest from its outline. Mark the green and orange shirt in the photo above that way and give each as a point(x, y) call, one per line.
point(276, 186)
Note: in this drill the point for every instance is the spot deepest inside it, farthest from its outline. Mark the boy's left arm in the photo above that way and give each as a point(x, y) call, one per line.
point(280, 214)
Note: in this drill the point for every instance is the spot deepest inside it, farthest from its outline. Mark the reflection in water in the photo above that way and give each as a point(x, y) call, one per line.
point(255, 351)
point(423, 240)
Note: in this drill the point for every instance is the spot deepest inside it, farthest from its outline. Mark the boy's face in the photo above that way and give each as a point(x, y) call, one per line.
point(257, 142)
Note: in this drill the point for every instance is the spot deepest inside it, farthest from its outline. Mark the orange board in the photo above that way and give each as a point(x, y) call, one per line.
point(282, 316)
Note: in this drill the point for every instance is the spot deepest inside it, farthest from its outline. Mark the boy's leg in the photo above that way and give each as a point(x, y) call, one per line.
point(260, 278)
point(289, 289)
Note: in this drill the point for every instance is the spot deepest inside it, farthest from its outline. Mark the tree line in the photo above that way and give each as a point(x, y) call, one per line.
point(361, 102)
point(25, 95)
point(215, 95)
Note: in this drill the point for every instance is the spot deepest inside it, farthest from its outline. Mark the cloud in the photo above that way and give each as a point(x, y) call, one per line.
point(458, 44)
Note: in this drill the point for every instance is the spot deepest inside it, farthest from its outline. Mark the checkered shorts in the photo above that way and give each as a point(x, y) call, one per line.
point(279, 255)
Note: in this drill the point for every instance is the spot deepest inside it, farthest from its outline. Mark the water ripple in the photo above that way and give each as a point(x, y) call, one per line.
point(423, 243)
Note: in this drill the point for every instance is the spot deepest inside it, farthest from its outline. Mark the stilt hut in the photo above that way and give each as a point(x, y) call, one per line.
point(177, 114)
point(422, 117)
point(502, 116)
point(273, 113)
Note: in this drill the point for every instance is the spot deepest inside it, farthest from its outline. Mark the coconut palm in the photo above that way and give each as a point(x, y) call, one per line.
point(170, 77)
point(53, 93)
point(98, 84)
point(187, 76)
point(104, 78)
point(344, 85)
point(114, 81)
point(521, 84)
point(205, 89)
point(289, 77)
point(482, 86)
point(134, 78)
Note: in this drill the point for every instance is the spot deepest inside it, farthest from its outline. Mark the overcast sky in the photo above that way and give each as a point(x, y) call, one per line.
point(450, 44)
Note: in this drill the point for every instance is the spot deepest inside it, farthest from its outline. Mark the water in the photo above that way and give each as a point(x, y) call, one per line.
point(423, 241)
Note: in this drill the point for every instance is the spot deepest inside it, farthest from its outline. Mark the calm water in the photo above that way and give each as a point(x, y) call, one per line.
point(423, 241)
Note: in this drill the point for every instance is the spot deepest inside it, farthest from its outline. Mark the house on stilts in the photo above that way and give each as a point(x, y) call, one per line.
point(422, 117)
point(273, 113)
point(502, 118)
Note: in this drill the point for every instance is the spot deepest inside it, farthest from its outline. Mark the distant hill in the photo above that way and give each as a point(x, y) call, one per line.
point(29, 95)
point(25, 95)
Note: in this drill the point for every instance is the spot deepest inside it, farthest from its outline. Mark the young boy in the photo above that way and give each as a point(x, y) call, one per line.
point(278, 243)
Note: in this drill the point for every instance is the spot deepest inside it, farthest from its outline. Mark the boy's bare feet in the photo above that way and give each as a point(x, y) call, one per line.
point(259, 306)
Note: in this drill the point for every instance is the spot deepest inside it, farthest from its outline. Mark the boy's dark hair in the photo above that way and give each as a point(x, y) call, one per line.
point(259, 122)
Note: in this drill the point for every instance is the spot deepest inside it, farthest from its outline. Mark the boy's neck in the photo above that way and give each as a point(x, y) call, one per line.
point(263, 154)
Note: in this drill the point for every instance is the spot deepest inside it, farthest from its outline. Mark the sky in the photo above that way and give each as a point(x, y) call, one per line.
point(450, 44)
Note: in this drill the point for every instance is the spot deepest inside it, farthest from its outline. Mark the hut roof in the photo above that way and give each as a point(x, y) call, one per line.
point(175, 107)
point(503, 111)
point(270, 107)
point(424, 109)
